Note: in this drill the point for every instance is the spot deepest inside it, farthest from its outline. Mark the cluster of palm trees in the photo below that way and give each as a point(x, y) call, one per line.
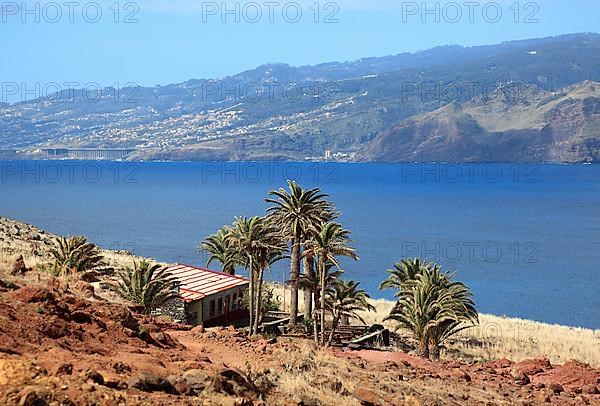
point(299, 225)
point(430, 304)
point(144, 284)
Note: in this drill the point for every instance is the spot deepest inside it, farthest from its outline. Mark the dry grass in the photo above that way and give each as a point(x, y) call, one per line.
point(310, 373)
point(504, 337)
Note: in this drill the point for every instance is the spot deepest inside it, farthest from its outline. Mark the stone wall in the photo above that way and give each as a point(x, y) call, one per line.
point(174, 308)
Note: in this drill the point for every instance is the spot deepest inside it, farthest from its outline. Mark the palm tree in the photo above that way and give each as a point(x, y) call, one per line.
point(330, 242)
point(260, 244)
point(434, 307)
point(264, 259)
point(146, 285)
point(311, 282)
point(404, 271)
point(220, 250)
point(344, 300)
point(295, 212)
point(309, 262)
point(75, 255)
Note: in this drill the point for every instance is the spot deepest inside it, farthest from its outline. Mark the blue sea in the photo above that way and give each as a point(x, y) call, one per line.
point(524, 237)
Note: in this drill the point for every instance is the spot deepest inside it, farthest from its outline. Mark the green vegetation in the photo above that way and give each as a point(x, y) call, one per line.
point(146, 285)
point(344, 300)
point(301, 222)
point(261, 244)
point(430, 304)
point(75, 256)
point(220, 250)
point(326, 245)
point(297, 212)
point(269, 302)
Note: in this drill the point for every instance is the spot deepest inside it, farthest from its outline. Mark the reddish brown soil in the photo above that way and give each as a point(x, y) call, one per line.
point(57, 347)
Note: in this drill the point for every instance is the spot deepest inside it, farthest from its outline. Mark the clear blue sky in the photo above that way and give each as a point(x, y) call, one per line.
point(174, 40)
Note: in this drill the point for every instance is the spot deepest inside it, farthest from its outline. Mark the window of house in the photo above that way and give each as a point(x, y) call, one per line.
point(234, 302)
point(220, 305)
point(212, 308)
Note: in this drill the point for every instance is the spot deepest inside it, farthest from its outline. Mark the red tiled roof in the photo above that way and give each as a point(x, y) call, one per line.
point(196, 283)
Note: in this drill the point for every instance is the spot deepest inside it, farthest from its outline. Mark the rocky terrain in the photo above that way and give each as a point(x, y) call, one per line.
point(61, 347)
point(279, 112)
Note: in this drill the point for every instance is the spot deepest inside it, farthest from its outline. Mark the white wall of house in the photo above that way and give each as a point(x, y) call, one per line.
point(213, 306)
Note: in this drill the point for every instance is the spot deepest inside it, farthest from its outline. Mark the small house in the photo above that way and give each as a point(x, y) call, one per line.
point(206, 297)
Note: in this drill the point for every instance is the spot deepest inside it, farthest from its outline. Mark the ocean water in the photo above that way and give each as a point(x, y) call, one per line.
point(525, 238)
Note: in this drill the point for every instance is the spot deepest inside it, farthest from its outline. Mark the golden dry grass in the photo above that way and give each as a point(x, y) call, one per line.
point(505, 337)
point(513, 338)
point(308, 374)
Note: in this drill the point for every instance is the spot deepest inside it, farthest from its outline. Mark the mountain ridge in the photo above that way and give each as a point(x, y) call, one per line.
point(292, 113)
point(558, 126)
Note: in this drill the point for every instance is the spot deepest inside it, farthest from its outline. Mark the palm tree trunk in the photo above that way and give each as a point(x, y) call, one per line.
point(316, 328)
point(322, 271)
point(434, 352)
point(258, 302)
point(309, 270)
point(333, 328)
point(251, 294)
point(315, 318)
point(423, 349)
point(294, 275)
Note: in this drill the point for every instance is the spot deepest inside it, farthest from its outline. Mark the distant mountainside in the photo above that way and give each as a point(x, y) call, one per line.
point(515, 123)
point(281, 112)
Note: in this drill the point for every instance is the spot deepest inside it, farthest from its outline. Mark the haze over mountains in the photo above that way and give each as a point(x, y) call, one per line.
point(532, 100)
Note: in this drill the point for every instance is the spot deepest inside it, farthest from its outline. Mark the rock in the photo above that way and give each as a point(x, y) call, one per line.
point(367, 397)
point(556, 388)
point(233, 382)
point(90, 276)
point(203, 358)
point(115, 383)
point(121, 368)
point(81, 317)
point(519, 377)
point(19, 267)
point(93, 376)
point(30, 396)
point(183, 387)
point(197, 380)
point(187, 365)
point(64, 369)
point(543, 397)
point(412, 401)
point(88, 387)
point(534, 366)
point(263, 384)
point(460, 374)
point(198, 330)
point(150, 382)
point(590, 389)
